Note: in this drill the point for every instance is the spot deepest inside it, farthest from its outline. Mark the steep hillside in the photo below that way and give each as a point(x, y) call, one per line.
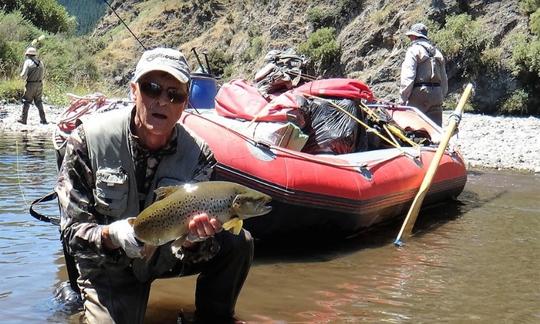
point(237, 35)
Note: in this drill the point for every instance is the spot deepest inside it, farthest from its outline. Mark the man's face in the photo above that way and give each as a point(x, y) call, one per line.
point(160, 100)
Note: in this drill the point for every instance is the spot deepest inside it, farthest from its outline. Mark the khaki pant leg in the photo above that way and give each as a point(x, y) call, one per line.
point(31, 90)
point(38, 93)
point(113, 296)
point(429, 101)
point(435, 113)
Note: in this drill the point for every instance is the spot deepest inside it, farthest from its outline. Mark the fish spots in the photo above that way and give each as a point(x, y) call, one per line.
point(167, 219)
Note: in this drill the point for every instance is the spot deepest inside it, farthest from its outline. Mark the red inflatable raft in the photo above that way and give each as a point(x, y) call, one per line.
point(338, 192)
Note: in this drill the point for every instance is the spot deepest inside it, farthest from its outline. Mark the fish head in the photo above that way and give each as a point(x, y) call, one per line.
point(250, 203)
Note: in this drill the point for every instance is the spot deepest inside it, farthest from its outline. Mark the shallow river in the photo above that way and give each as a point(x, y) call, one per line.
point(473, 261)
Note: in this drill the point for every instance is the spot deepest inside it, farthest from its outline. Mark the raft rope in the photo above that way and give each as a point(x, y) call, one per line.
point(79, 107)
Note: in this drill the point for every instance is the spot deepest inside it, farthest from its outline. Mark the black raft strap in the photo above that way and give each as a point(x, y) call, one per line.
point(48, 197)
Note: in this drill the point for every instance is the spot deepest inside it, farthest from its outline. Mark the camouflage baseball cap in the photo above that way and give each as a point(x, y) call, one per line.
point(418, 30)
point(163, 59)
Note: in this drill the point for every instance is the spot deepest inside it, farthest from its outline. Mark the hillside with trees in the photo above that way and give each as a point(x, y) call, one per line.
point(493, 44)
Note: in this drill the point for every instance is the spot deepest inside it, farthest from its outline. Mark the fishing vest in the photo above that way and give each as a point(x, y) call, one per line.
point(429, 68)
point(115, 193)
point(35, 71)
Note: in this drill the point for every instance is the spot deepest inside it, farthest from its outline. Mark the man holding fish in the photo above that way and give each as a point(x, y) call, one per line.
point(125, 217)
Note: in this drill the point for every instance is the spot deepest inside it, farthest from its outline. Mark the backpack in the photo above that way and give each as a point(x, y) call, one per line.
point(436, 64)
point(283, 71)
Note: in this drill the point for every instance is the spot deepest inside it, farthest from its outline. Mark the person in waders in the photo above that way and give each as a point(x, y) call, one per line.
point(32, 71)
point(424, 83)
point(113, 163)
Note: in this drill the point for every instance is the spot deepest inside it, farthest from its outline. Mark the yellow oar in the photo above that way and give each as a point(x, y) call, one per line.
point(408, 224)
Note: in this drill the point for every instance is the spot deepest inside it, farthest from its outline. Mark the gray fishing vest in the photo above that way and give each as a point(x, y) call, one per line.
point(35, 71)
point(428, 69)
point(115, 193)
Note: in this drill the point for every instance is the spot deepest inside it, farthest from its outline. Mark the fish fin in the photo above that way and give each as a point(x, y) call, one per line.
point(234, 225)
point(238, 227)
point(163, 192)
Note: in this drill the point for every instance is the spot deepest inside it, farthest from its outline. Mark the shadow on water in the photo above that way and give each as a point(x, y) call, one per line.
point(323, 246)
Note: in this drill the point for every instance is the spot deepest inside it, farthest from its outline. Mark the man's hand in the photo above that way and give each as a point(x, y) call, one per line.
point(120, 234)
point(201, 227)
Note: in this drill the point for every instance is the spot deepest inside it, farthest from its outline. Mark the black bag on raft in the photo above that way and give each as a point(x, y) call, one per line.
point(330, 130)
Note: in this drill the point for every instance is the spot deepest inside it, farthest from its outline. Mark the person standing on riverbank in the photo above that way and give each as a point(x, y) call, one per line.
point(32, 71)
point(424, 82)
point(112, 165)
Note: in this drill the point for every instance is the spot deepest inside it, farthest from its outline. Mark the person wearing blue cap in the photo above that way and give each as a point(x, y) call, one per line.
point(113, 163)
point(424, 82)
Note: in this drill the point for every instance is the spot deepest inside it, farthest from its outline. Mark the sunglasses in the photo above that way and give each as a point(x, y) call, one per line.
point(154, 90)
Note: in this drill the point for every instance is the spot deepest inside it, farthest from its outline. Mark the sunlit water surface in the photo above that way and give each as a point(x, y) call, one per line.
point(474, 261)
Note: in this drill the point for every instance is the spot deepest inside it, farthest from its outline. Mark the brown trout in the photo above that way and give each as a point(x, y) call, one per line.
point(168, 217)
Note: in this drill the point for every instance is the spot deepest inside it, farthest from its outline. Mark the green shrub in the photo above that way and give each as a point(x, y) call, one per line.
point(516, 103)
point(256, 45)
point(8, 59)
point(534, 22)
point(45, 14)
point(529, 6)
point(462, 40)
point(15, 28)
point(11, 90)
point(336, 14)
point(16, 34)
point(526, 67)
point(526, 55)
point(69, 61)
point(321, 16)
point(322, 48)
point(220, 63)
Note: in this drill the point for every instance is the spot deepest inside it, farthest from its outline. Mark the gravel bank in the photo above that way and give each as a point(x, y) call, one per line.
point(500, 142)
point(485, 141)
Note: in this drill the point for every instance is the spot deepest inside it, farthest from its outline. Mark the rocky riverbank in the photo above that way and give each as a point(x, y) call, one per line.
point(485, 141)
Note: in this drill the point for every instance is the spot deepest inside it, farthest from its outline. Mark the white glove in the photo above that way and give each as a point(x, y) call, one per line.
point(122, 235)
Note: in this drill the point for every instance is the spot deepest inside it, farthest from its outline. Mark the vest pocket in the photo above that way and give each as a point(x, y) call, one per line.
point(111, 192)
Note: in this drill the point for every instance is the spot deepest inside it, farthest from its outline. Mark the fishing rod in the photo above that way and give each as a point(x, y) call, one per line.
point(133, 34)
point(198, 59)
point(207, 64)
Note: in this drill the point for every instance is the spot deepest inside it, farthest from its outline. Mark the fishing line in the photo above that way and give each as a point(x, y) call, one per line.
point(18, 173)
point(133, 34)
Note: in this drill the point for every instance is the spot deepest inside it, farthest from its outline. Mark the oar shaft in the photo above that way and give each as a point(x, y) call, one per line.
point(408, 224)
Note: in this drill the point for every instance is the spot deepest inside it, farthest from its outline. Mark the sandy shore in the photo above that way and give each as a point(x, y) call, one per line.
point(485, 141)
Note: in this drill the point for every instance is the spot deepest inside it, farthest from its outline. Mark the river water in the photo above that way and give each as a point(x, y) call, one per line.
point(476, 260)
